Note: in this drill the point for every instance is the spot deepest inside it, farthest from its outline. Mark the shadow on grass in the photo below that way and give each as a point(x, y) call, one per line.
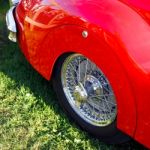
point(14, 65)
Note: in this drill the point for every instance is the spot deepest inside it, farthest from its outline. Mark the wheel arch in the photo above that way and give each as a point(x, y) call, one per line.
point(126, 119)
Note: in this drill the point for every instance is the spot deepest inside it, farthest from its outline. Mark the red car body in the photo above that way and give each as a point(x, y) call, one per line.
point(118, 42)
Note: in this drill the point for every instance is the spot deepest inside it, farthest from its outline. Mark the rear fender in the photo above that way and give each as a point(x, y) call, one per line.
point(99, 46)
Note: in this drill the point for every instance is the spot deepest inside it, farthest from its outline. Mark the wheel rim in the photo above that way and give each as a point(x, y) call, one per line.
point(88, 91)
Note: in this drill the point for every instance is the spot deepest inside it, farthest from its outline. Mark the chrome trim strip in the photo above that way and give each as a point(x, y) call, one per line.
point(12, 36)
point(10, 20)
point(13, 2)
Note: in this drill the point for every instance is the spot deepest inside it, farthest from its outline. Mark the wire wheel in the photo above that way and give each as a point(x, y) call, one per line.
point(88, 91)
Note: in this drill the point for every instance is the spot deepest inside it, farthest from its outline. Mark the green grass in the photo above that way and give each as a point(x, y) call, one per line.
point(30, 116)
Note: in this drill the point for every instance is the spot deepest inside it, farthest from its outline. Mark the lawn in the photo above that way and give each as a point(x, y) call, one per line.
point(30, 116)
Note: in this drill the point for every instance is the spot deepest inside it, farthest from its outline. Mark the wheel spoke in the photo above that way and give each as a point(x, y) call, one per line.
point(86, 67)
point(103, 98)
point(79, 69)
point(75, 72)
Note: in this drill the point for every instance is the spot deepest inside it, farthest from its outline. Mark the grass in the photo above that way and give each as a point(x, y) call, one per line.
point(30, 116)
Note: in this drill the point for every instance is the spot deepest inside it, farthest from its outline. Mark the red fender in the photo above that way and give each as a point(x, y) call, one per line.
point(118, 42)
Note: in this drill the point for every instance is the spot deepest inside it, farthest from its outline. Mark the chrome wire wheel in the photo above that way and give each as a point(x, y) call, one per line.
point(88, 91)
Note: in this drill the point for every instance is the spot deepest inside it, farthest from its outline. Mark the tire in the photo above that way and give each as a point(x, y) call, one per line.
point(76, 108)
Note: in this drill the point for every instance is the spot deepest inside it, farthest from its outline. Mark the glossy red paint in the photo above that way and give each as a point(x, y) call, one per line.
point(141, 6)
point(118, 42)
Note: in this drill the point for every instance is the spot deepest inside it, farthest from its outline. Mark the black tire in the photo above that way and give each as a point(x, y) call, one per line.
point(109, 134)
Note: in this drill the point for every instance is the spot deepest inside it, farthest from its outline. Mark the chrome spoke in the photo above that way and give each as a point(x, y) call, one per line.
point(87, 62)
point(99, 106)
point(75, 71)
point(103, 98)
point(79, 70)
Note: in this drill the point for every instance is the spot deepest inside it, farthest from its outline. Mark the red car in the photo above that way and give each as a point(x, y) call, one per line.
point(97, 53)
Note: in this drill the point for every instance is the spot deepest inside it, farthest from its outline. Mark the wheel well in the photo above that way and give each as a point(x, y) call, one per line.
point(123, 106)
point(56, 62)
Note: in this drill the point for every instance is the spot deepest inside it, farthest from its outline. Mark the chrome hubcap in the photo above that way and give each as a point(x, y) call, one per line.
point(92, 86)
point(88, 91)
point(80, 93)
